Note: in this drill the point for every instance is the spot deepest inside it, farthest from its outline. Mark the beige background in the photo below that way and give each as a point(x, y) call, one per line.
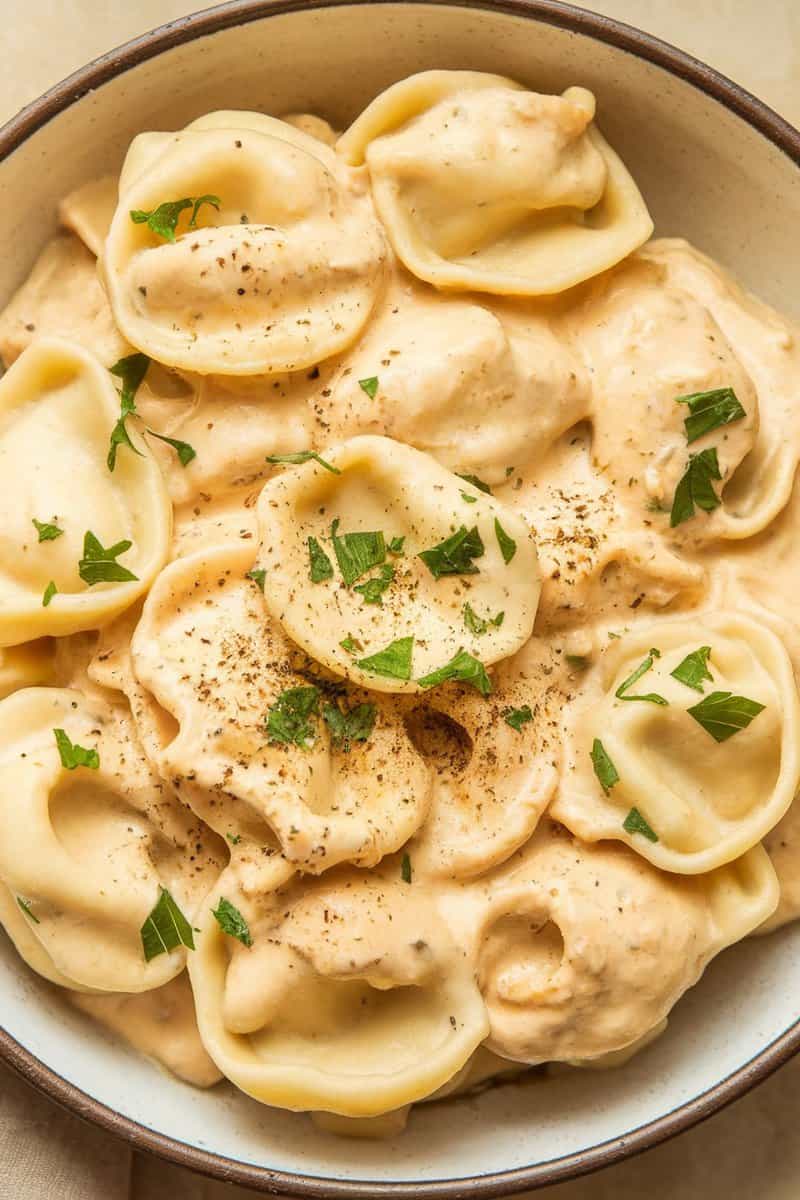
point(750, 1150)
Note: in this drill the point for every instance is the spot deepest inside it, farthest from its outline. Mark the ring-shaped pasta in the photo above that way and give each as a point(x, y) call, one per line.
point(351, 999)
point(386, 492)
point(700, 769)
point(58, 407)
point(484, 185)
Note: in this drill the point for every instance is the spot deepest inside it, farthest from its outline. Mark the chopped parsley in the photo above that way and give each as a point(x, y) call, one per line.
point(72, 755)
point(642, 669)
point(604, 768)
point(476, 482)
point(289, 720)
point(234, 838)
point(462, 668)
point(394, 662)
point(396, 545)
point(302, 456)
point(50, 591)
point(372, 589)
point(465, 496)
point(349, 725)
point(165, 929)
point(99, 564)
point(351, 645)
point(320, 566)
point(405, 869)
point(722, 714)
point(508, 547)
point(25, 905)
point(517, 717)
point(47, 533)
point(693, 670)
point(370, 386)
point(184, 451)
point(479, 625)
point(258, 576)
point(131, 370)
point(635, 823)
point(710, 410)
point(231, 921)
point(163, 220)
point(454, 555)
point(695, 487)
point(357, 553)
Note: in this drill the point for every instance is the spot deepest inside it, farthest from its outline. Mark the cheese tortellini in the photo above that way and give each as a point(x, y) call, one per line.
point(65, 518)
point(484, 185)
point(417, 550)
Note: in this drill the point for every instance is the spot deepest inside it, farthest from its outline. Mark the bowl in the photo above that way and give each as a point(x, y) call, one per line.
point(716, 166)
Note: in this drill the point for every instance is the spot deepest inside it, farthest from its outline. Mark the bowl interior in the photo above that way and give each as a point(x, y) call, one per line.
point(707, 175)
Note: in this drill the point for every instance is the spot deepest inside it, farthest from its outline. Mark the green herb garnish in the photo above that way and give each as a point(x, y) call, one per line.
point(479, 625)
point(99, 564)
point(710, 410)
point(405, 869)
point(351, 645)
point(476, 482)
point(693, 671)
point(508, 547)
point(722, 714)
point(357, 553)
point(321, 567)
point(604, 768)
point(258, 576)
point(289, 718)
point(454, 555)
point(48, 594)
point(302, 456)
point(25, 905)
point(234, 838)
point(47, 533)
point(131, 370)
point(396, 545)
point(164, 219)
point(517, 717)
point(394, 662)
point(372, 589)
point(349, 725)
point(462, 668)
point(695, 487)
point(184, 451)
point(72, 755)
point(465, 496)
point(231, 921)
point(370, 386)
point(165, 929)
point(635, 823)
point(642, 669)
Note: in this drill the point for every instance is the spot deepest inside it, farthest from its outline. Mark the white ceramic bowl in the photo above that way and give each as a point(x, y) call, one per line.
point(715, 166)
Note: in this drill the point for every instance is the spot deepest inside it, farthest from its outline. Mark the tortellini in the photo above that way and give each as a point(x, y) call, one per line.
point(275, 265)
point(25, 666)
point(583, 950)
point(106, 535)
point(258, 740)
point(684, 742)
point(406, 595)
point(89, 837)
point(89, 211)
point(484, 185)
point(353, 997)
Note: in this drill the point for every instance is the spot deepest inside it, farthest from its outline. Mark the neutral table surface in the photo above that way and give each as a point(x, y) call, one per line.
point(749, 1152)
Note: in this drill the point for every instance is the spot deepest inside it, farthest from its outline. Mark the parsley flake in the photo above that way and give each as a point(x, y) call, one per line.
point(394, 662)
point(722, 714)
point(604, 768)
point(163, 220)
point(396, 545)
point(47, 532)
point(165, 929)
point(99, 564)
point(320, 566)
point(517, 717)
point(695, 487)
point(454, 555)
point(693, 670)
point(184, 451)
point(642, 669)
point(465, 496)
point(479, 625)
point(231, 921)
point(710, 410)
point(25, 905)
point(351, 644)
point(349, 725)
point(370, 386)
point(476, 482)
point(405, 869)
point(302, 456)
point(635, 823)
point(357, 553)
point(234, 838)
point(72, 755)
point(372, 589)
point(131, 370)
point(258, 576)
point(508, 547)
point(462, 668)
point(289, 718)
point(50, 591)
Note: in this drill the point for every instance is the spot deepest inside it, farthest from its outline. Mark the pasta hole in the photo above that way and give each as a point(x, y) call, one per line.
point(440, 740)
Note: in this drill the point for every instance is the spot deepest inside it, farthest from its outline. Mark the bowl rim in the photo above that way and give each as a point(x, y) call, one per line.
point(45, 1079)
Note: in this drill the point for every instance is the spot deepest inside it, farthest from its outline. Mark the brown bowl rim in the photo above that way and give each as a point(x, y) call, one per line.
point(499, 1183)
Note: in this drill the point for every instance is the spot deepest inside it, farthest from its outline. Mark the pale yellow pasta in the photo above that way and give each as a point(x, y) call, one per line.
point(484, 185)
point(25, 666)
point(707, 787)
point(58, 407)
point(381, 486)
point(88, 211)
